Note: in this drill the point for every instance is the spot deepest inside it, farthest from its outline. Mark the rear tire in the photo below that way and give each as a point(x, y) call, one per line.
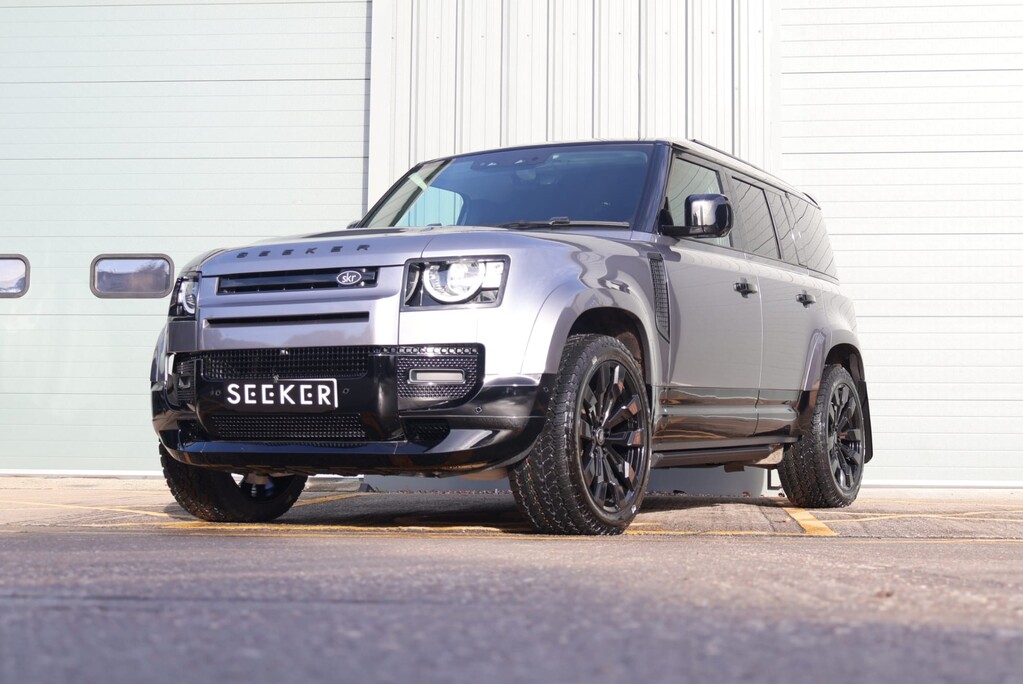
point(215, 496)
point(588, 471)
point(824, 468)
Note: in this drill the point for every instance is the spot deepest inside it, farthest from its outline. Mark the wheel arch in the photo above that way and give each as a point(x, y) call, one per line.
point(569, 311)
point(848, 355)
point(620, 324)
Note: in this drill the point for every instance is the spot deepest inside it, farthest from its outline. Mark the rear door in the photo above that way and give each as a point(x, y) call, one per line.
point(715, 328)
point(792, 308)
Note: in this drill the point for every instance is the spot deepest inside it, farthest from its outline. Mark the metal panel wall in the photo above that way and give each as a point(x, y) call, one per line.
point(906, 121)
point(460, 75)
point(140, 126)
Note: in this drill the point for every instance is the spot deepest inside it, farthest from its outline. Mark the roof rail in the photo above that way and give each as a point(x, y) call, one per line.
point(729, 154)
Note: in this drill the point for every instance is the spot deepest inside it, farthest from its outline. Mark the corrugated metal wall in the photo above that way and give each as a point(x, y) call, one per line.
point(459, 75)
point(906, 121)
point(140, 126)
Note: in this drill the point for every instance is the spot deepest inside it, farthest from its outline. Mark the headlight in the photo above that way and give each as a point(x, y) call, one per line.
point(455, 281)
point(183, 299)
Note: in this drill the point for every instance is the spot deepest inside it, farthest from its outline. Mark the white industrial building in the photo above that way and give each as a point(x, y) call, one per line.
point(144, 127)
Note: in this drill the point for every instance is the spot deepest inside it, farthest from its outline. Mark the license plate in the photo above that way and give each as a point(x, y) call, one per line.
point(285, 396)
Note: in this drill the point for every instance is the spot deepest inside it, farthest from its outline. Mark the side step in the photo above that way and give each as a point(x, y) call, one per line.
point(765, 455)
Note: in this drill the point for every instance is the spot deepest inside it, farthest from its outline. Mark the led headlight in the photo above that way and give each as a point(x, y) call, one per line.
point(455, 281)
point(183, 299)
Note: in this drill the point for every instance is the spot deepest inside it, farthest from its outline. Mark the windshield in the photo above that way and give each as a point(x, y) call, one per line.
point(542, 185)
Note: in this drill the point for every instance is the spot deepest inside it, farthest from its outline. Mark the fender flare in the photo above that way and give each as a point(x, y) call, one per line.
point(564, 306)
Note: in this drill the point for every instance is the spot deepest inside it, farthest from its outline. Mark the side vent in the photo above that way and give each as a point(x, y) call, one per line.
point(660, 295)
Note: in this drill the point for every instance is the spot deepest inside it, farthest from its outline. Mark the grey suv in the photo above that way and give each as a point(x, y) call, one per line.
point(566, 316)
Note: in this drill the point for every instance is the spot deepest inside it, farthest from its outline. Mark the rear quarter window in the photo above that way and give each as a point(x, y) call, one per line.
point(756, 225)
point(786, 236)
point(812, 240)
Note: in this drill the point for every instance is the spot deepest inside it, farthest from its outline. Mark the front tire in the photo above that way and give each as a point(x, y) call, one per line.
point(824, 468)
point(588, 471)
point(215, 496)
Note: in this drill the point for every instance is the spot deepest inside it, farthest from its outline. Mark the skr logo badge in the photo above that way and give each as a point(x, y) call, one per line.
point(349, 278)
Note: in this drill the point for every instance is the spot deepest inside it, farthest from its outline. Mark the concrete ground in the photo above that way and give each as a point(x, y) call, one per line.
point(109, 581)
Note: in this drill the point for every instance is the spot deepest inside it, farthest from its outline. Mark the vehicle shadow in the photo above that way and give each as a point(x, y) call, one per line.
point(484, 512)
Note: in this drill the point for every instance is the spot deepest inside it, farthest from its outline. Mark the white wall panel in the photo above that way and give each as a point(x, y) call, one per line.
point(141, 126)
point(509, 72)
point(906, 121)
point(663, 63)
point(616, 60)
point(572, 71)
point(711, 73)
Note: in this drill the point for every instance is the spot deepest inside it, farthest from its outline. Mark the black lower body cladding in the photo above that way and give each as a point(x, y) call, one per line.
point(232, 410)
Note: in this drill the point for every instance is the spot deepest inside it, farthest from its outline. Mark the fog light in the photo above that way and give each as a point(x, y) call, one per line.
point(453, 376)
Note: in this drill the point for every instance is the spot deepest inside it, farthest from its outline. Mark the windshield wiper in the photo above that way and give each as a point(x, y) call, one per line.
point(558, 221)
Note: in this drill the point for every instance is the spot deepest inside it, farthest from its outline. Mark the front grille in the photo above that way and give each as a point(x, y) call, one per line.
point(294, 363)
point(287, 281)
point(469, 365)
point(275, 428)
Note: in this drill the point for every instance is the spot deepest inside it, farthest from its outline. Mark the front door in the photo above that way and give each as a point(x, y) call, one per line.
point(716, 327)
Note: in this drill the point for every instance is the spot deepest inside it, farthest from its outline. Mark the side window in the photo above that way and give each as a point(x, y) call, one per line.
point(685, 179)
point(812, 237)
point(755, 220)
point(786, 238)
point(14, 273)
point(435, 206)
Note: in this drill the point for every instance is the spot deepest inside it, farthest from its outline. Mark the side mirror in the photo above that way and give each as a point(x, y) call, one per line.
point(707, 216)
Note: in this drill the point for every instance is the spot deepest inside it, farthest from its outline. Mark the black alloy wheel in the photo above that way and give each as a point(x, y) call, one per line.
point(588, 471)
point(824, 468)
point(611, 438)
point(845, 437)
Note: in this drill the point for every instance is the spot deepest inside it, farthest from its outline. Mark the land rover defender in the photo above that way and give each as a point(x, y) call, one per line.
point(568, 316)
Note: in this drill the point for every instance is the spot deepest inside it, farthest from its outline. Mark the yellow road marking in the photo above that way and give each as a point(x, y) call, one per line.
point(930, 516)
point(106, 509)
point(811, 525)
point(934, 502)
point(325, 499)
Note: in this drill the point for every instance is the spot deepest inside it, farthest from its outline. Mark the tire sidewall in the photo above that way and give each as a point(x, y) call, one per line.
point(833, 377)
point(600, 350)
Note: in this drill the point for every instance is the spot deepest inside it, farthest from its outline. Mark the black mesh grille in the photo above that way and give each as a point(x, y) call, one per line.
point(660, 297)
point(184, 384)
point(429, 431)
point(469, 365)
point(270, 428)
point(298, 363)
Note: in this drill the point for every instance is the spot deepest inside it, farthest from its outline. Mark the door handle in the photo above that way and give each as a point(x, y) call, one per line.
point(745, 288)
point(806, 299)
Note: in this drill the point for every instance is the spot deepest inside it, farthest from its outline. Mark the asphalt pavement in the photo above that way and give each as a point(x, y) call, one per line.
point(109, 581)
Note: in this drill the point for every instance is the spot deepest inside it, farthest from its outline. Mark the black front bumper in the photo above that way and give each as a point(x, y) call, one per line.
point(377, 429)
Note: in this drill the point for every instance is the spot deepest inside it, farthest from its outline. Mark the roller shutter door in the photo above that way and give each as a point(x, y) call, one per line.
point(153, 127)
point(905, 121)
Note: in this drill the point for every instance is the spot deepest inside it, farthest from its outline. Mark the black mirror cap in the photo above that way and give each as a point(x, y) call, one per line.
point(708, 215)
